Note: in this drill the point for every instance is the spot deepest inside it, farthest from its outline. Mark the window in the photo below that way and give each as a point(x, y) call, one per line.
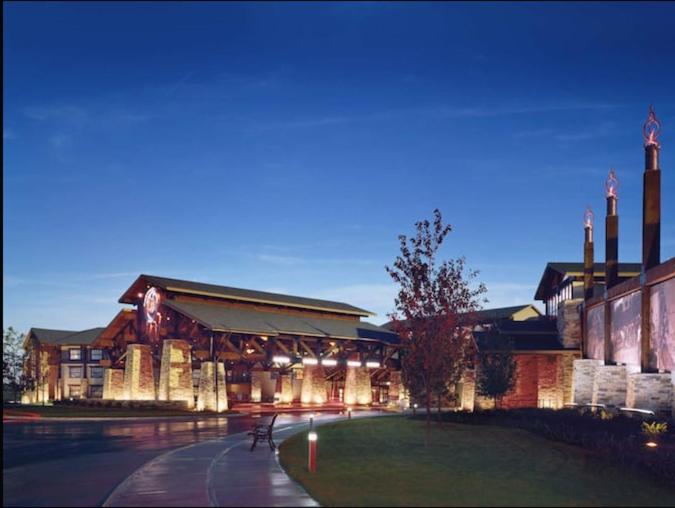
point(96, 354)
point(97, 372)
point(96, 392)
point(73, 391)
point(75, 354)
point(75, 372)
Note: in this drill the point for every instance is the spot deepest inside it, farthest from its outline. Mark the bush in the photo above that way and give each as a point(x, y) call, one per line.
point(619, 438)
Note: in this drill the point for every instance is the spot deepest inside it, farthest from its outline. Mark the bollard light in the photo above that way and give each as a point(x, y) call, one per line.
point(311, 452)
point(651, 444)
point(349, 413)
point(311, 421)
point(415, 408)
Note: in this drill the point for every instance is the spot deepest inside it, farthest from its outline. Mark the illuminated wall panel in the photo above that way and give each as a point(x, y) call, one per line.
point(595, 335)
point(625, 343)
point(662, 309)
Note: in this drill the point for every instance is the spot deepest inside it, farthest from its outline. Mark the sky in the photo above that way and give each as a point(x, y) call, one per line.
point(284, 147)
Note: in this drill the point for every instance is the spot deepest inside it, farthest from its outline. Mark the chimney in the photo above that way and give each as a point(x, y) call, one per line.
point(611, 232)
point(651, 197)
point(588, 253)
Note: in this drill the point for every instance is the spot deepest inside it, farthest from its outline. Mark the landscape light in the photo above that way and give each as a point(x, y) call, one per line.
point(281, 359)
point(651, 444)
point(312, 436)
point(353, 363)
point(330, 362)
point(310, 361)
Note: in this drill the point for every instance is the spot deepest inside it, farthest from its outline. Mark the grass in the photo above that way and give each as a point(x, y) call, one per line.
point(392, 461)
point(63, 411)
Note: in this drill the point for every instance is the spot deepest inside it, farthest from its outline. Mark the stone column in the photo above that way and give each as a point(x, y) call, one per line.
point(286, 392)
point(569, 323)
point(113, 384)
point(610, 385)
point(650, 391)
point(468, 395)
point(395, 388)
point(139, 376)
point(175, 375)
point(84, 386)
point(357, 386)
point(584, 379)
point(256, 385)
point(206, 400)
point(313, 385)
point(567, 378)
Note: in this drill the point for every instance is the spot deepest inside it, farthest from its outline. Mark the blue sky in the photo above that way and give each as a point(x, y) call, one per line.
point(284, 147)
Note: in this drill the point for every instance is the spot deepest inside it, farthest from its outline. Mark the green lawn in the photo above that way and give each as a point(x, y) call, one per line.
point(389, 462)
point(62, 411)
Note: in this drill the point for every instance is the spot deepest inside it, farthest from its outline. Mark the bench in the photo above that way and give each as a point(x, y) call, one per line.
point(262, 431)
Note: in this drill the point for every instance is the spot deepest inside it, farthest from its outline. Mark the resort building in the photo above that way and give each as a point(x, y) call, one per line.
point(63, 364)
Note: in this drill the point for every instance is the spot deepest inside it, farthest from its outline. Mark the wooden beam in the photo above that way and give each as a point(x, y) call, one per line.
point(307, 348)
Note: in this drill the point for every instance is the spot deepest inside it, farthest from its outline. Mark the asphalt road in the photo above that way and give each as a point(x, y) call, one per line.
point(80, 463)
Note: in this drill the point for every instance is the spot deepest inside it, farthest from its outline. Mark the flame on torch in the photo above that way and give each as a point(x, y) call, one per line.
point(612, 185)
point(588, 218)
point(651, 129)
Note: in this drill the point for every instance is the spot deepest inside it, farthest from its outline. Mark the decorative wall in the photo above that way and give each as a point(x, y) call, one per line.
point(595, 335)
point(662, 309)
point(626, 330)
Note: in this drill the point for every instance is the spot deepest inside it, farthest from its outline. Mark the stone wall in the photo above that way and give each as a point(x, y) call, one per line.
point(139, 376)
point(569, 323)
point(583, 379)
point(468, 393)
point(550, 381)
point(256, 385)
point(610, 385)
point(113, 384)
point(313, 385)
point(175, 375)
point(650, 391)
point(212, 397)
point(567, 365)
point(358, 388)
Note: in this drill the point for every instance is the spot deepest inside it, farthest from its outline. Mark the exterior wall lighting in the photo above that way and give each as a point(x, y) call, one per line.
point(281, 359)
point(310, 361)
point(353, 363)
point(373, 364)
point(329, 362)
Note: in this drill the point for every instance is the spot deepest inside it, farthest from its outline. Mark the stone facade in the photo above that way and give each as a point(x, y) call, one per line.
point(569, 323)
point(175, 375)
point(583, 379)
point(256, 385)
point(139, 376)
point(113, 384)
point(650, 391)
point(468, 393)
point(358, 388)
point(284, 393)
point(313, 385)
point(567, 365)
point(610, 385)
point(210, 396)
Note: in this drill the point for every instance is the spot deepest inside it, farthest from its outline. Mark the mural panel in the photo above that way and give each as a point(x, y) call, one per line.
point(595, 335)
point(662, 309)
point(625, 343)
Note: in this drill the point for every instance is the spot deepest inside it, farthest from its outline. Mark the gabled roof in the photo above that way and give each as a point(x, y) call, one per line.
point(531, 335)
point(218, 317)
point(65, 337)
point(486, 316)
point(236, 294)
point(556, 271)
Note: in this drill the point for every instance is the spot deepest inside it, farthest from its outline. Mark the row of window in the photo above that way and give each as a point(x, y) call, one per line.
point(76, 372)
point(76, 354)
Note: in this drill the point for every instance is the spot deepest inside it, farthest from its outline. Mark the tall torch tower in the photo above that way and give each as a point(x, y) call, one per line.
point(611, 231)
point(588, 253)
point(651, 198)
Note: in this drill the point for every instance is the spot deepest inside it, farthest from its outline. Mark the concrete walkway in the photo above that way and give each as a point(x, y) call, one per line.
point(220, 472)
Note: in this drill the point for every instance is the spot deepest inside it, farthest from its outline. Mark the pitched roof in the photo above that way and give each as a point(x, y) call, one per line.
point(556, 271)
point(530, 335)
point(254, 321)
point(238, 294)
point(65, 337)
point(487, 315)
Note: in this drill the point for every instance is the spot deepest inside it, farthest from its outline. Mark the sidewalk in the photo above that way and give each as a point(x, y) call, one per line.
point(220, 472)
